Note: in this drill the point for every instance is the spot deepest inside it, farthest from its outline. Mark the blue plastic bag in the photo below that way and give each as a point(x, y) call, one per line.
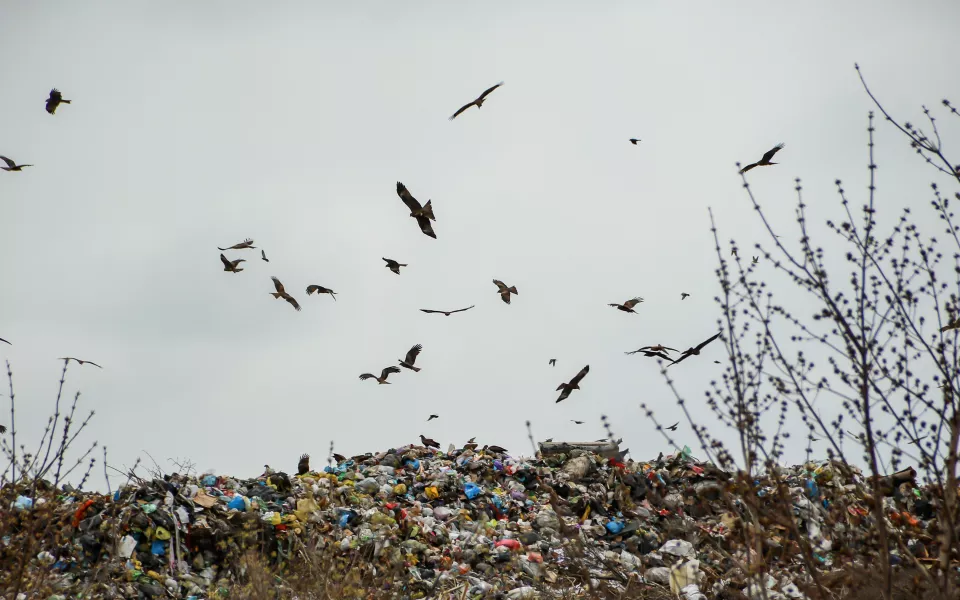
point(614, 527)
point(210, 480)
point(237, 503)
point(158, 547)
point(471, 489)
point(413, 463)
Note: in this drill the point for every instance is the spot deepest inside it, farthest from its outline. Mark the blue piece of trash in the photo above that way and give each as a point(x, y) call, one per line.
point(614, 527)
point(471, 489)
point(237, 503)
point(158, 547)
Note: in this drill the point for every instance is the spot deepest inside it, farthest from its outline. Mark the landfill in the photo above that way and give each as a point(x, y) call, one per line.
point(467, 522)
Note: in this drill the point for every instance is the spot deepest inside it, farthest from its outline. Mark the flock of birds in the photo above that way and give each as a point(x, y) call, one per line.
point(424, 216)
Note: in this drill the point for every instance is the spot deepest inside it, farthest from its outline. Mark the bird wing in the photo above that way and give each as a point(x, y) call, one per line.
point(500, 285)
point(263, 254)
point(771, 152)
point(391, 263)
point(660, 355)
point(583, 373)
point(427, 310)
point(90, 362)
point(278, 285)
point(55, 95)
point(701, 346)
point(462, 108)
point(225, 262)
point(384, 373)
point(686, 354)
point(463, 309)
point(484, 95)
point(564, 395)
point(365, 376)
point(633, 302)
point(748, 167)
point(634, 351)
point(412, 354)
point(407, 198)
point(426, 227)
point(9, 162)
point(304, 465)
point(5, 341)
point(293, 301)
point(312, 288)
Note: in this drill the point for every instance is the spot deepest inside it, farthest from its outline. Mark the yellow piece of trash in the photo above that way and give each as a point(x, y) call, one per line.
point(161, 534)
point(432, 493)
point(400, 489)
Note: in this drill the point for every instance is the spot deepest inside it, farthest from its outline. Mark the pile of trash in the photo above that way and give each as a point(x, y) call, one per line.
point(479, 521)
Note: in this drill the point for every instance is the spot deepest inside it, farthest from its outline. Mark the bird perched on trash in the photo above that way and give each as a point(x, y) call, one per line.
point(447, 312)
point(263, 256)
point(423, 214)
point(383, 375)
point(683, 295)
point(765, 161)
point(231, 266)
point(80, 362)
point(12, 166)
point(432, 417)
point(5, 341)
point(553, 362)
point(574, 384)
point(428, 442)
point(628, 305)
point(494, 448)
point(247, 243)
point(548, 440)
point(54, 100)
point(478, 102)
point(281, 481)
point(339, 458)
point(673, 427)
point(634, 141)
point(319, 289)
point(504, 291)
point(411, 357)
point(695, 351)
point(281, 293)
point(394, 265)
point(303, 467)
point(576, 422)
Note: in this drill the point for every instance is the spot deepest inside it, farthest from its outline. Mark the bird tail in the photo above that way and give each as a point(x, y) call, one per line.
point(512, 289)
point(236, 270)
point(222, 249)
point(276, 294)
point(333, 295)
point(65, 101)
point(415, 369)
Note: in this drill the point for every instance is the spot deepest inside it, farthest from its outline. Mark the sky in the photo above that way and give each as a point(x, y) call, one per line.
point(196, 126)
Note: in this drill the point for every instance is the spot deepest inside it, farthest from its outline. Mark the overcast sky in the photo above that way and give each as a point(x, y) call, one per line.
point(197, 125)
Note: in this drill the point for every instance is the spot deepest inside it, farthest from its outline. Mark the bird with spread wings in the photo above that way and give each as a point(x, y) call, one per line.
point(411, 357)
point(79, 362)
point(12, 166)
point(231, 266)
point(505, 291)
point(446, 312)
point(659, 351)
point(303, 467)
point(383, 375)
point(628, 305)
point(281, 293)
point(478, 102)
point(574, 384)
point(423, 214)
point(54, 100)
point(765, 161)
point(394, 265)
point(319, 289)
point(247, 243)
point(695, 351)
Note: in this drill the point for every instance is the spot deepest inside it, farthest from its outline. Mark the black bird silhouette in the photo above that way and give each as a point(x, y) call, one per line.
point(673, 427)
point(756, 259)
point(55, 99)
point(80, 362)
point(394, 265)
point(634, 141)
point(765, 161)
point(12, 166)
point(432, 417)
point(303, 467)
point(447, 312)
point(247, 243)
point(553, 362)
point(411, 357)
point(319, 289)
point(478, 102)
point(231, 266)
point(574, 384)
point(339, 458)
point(693, 351)
point(683, 295)
point(280, 293)
point(628, 305)
point(3, 428)
point(428, 442)
point(577, 422)
point(651, 354)
point(383, 375)
point(495, 448)
point(423, 214)
point(263, 255)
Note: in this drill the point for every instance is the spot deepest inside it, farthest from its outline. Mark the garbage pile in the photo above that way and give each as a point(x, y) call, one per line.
point(478, 521)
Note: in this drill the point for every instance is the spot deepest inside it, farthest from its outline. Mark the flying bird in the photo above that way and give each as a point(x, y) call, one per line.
point(432, 417)
point(339, 458)
point(576, 422)
point(281, 293)
point(247, 243)
point(693, 351)
point(12, 166)
point(303, 467)
point(231, 265)
point(673, 427)
point(634, 141)
point(478, 102)
point(505, 291)
point(319, 289)
point(383, 375)
point(55, 99)
point(263, 256)
point(628, 305)
point(394, 265)
point(553, 362)
point(733, 252)
point(955, 324)
point(683, 295)
point(5, 341)
point(411, 357)
point(80, 362)
point(657, 348)
point(428, 442)
point(765, 161)
point(423, 214)
point(650, 354)
point(756, 259)
point(447, 312)
point(574, 384)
